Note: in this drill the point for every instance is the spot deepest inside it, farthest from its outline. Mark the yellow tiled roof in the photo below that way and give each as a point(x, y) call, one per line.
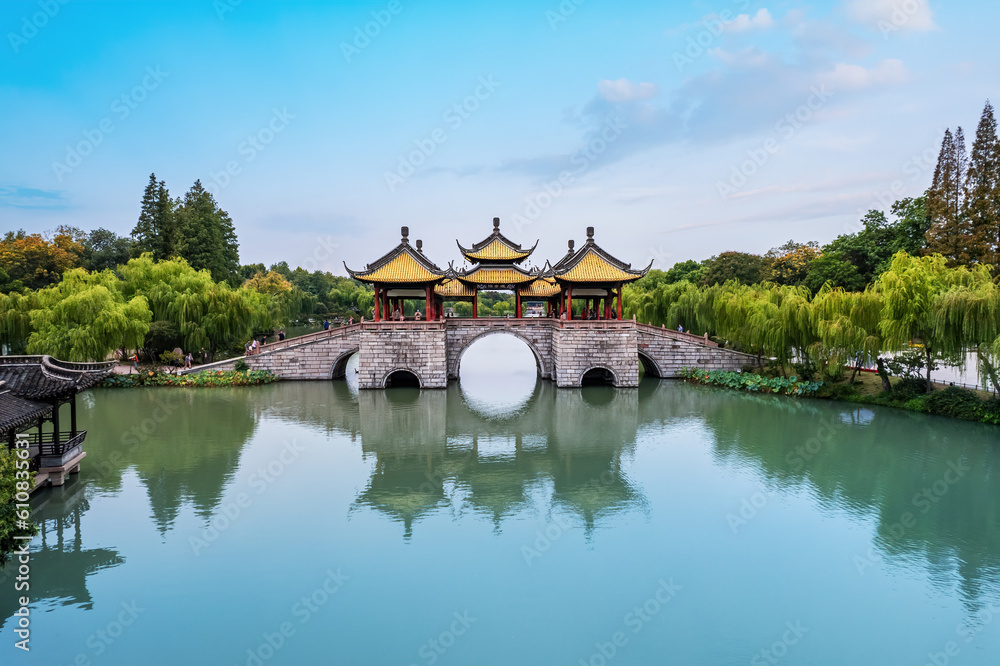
point(542, 288)
point(454, 289)
point(593, 268)
point(402, 268)
point(497, 276)
point(497, 250)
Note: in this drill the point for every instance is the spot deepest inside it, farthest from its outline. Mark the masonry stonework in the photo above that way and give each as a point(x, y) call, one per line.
point(564, 351)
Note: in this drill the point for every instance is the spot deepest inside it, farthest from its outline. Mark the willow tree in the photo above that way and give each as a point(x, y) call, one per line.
point(15, 320)
point(909, 290)
point(286, 301)
point(744, 315)
point(85, 317)
point(847, 325)
point(207, 314)
point(968, 316)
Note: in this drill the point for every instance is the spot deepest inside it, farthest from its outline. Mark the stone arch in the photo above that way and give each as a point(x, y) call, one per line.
point(542, 370)
point(385, 383)
point(611, 375)
point(340, 365)
point(649, 365)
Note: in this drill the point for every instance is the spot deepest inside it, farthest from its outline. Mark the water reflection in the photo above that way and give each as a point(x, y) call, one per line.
point(433, 451)
point(60, 563)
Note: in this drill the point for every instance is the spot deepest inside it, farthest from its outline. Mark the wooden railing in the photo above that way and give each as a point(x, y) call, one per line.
point(46, 442)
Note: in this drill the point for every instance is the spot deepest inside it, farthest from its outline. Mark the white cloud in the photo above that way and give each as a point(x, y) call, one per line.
point(762, 20)
point(624, 90)
point(855, 77)
point(891, 15)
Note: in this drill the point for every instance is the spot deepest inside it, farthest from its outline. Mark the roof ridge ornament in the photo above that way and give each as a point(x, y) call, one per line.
point(590, 235)
point(405, 233)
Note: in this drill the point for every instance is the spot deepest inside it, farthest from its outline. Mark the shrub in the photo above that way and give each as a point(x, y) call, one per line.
point(240, 365)
point(954, 401)
point(751, 382)
point(837, 391)
point(909, 387)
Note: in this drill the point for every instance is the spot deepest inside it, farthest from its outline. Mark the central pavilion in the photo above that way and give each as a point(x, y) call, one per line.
point(589, 274)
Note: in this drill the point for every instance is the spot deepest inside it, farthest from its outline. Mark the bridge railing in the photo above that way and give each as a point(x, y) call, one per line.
point(677, 335)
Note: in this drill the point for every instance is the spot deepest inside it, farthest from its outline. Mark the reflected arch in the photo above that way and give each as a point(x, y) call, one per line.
point(541, 369)
point(340, 365)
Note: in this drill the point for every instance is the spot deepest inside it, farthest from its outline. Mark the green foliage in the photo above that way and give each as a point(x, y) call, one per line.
point(207, 235)
point(171, 358)
point(14, 478)
point(85, 317)
point(833, 270)
point(162, 336)
point(752, 382)
point(955, 402)
point(240, 365)
point(205, 378)
point(740, 266)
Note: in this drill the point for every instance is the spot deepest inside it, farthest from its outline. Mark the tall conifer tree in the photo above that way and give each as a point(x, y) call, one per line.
point(946, 235)
point(981, 201)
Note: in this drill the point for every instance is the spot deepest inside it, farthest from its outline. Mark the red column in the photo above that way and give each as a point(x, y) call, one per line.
point(619, 301)
point(517, 304)
point(427, 310)
point(377, 306)
point(569, 302)
point(475, 305)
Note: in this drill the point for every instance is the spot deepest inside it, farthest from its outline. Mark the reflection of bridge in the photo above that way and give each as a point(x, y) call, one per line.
point(430, 352)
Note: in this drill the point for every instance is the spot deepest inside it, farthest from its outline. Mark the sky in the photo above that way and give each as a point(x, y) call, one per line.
point(677, 130)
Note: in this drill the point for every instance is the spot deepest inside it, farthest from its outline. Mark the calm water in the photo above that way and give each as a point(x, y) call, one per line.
point(508, 522)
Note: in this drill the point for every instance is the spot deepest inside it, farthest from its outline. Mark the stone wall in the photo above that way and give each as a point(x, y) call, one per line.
point(581, 346)
point(314, 359)
point(417, 347)
point(669, 352)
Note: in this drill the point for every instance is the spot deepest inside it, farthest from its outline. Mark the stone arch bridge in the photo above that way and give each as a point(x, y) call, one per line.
point(431, 351)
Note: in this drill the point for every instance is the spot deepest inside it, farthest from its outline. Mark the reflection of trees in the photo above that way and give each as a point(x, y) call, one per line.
point(875, 463)
point(184, 444)
point(432, 451)
point(59, 563)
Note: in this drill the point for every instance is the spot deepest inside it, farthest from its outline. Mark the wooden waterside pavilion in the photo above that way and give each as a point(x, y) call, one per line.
point(33, 389)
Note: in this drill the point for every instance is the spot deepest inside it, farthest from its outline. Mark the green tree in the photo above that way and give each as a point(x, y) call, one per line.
point(847, 325)
point(85, 317)
point(741, 266)
point(829, 268)
point(947, 233)
point(208, 238)
point(14, 523)
point(105, 249)
point(156, 230)
point(790, 262)
point(981, 197)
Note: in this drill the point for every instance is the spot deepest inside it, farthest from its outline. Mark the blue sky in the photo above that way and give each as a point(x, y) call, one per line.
point(677, 130)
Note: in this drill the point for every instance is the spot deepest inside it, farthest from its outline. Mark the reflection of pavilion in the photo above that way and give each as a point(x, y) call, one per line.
point(59, 563)
point(434, 453)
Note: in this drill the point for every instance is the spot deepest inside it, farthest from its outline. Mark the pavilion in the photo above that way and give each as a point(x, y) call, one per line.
point(589, 274)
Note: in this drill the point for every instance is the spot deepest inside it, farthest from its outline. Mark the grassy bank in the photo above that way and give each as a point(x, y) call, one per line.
point(906, 393)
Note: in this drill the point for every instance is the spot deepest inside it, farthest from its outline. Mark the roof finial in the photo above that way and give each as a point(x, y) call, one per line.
point(496, 224)
point(590, 234)
point(405, 231)
point(420, 246)
point(571, 246)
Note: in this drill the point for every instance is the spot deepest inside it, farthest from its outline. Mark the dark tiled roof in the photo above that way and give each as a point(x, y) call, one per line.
point(15, 412)
point(44, 378)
